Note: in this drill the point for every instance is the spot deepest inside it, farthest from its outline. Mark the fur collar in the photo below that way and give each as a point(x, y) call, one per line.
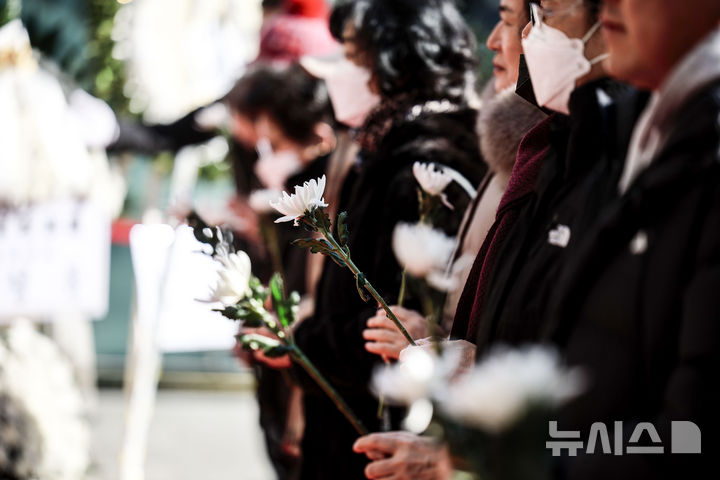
point(504, 120)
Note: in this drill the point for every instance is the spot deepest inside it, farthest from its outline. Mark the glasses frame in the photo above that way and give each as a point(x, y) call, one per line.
point(537, 11)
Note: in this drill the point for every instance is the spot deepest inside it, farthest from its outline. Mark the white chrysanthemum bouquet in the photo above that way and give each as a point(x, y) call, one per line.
point(495, 416)
point(424, 252)
point(306, 207)
point(244, 299)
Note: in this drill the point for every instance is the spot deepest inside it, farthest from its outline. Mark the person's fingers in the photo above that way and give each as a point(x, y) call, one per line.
point(247, 330)
point(375, 455)
point(381, 442)
point(383, 335)
point(381, 322)
point(380, 469)
point(389, 350)
point(277, 363)
point(402, 312)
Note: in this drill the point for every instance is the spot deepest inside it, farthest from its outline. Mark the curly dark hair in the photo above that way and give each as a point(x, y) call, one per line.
point(420, 47)
point(288, 94)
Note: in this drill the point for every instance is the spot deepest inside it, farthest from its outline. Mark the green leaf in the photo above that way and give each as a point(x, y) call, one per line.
point(318, 245)
point(343, 232)
point(277, 289)
point(278, 351)
point(269, 346)
point(228, 312)
point(285, 307)
point(321, 219)
point(308, 223)
point(360, 284)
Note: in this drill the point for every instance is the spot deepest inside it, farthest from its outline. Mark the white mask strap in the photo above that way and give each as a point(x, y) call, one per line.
point(263, 147)
point(591, 32)
point(599, 58)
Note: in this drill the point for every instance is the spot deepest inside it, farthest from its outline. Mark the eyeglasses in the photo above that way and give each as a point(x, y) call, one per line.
point(542, 14)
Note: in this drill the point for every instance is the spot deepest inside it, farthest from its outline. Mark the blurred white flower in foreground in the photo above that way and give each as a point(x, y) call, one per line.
point(305, 198)
point(36, 373)
point(422, 250)
point(454, 277)
point(51, 148)
point(506, 384)
point(492, 396)
point(234, 282)
point(183, 54)
point(432, 181)
point(260, 200)
point(414, 380)
point(410, 380)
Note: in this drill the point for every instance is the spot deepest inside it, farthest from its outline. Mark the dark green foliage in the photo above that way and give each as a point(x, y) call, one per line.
point(285, 307)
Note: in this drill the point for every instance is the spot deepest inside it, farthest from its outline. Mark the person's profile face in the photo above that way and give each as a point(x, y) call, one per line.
point(356, 55)
point(504, 40)
point(243, 130)
point(646, 38)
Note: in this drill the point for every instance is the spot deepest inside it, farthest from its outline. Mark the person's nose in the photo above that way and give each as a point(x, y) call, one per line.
point(493, 41)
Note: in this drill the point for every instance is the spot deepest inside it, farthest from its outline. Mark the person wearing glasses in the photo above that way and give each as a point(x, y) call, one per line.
point(586, 139)
point(563, 50)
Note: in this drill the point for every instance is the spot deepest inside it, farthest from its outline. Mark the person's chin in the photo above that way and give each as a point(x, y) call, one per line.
point(501, 78)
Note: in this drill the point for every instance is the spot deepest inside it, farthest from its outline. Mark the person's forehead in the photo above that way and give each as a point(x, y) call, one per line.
point(557, 3)
point(510, 6)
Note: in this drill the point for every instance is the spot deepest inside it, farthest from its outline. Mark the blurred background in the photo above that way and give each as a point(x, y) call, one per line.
point(101, 100)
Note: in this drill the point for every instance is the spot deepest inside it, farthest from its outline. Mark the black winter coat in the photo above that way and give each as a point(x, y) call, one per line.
point(380, 192)
point(579, 174)
point(638, 306)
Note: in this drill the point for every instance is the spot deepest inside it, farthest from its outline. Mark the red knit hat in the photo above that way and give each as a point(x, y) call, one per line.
point(307, 8)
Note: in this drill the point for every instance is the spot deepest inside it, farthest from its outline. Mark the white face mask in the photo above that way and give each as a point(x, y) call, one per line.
point(555, 62)
point(349, 93)
point(274, 168)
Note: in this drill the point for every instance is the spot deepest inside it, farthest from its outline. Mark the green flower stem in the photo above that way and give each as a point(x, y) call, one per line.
point(403, 286)
point(269, 233)
point(305, 362)
point(431, 315)
point(365, 283)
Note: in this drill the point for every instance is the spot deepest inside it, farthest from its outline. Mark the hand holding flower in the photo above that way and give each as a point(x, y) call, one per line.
point(384, 338)
point(404, 456)
point(306, 207)
point(259, 355)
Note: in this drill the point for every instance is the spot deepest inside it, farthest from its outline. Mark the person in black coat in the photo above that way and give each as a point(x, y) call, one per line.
point(420, 58)
point(289, 111)
point(637, 304)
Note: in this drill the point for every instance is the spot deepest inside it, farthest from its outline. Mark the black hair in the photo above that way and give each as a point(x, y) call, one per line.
point(288, 94)
point(272, 4)
point(593, 8)
point(526, 10)
point(420, 47)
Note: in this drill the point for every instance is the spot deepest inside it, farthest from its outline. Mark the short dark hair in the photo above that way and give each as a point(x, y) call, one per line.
point(288, 94)
point(419, 46)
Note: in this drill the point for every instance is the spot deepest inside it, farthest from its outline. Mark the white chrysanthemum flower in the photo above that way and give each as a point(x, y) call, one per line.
point(432, 181)
point(234, 282)
point(36, 373)
point(417, 375)
point(294, 206)
point(422, 250)
point(409, 380)
point(501, 389)
point(454, 278)
point(260, 200)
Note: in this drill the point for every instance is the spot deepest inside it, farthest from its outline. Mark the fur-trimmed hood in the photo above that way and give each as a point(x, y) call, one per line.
point(504, 120)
